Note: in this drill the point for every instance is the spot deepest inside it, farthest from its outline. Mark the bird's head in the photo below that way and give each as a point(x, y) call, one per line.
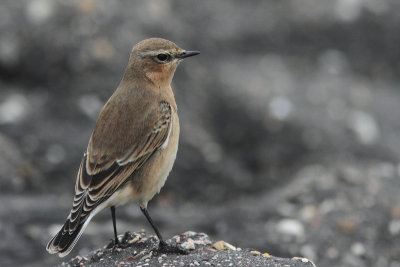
point(157, 59)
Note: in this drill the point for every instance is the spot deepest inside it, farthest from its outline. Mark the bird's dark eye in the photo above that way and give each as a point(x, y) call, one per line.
point(163, 57)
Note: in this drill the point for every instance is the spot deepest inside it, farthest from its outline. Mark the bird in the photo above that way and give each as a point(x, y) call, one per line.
point(133, 145)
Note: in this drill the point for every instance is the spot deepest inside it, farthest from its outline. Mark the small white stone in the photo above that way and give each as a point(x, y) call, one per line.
point(190, 233)
point(348, 10)
point(290, 227)
point(189, 244)
point(364, 126)
point(394, 227)
point(13, 108)
point(358, 249)
point(38, 11)
point(300, 259)
point(280, 108)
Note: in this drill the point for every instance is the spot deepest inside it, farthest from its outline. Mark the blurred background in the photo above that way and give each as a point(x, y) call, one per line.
point(290, 129)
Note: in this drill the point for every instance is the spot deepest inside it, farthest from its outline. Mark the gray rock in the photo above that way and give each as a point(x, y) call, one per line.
point(138, 249)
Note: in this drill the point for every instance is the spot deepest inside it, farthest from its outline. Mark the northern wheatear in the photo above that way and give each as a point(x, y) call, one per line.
point(133, 145)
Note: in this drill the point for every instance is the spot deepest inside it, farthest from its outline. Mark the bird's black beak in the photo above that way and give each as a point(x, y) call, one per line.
point(187, 54)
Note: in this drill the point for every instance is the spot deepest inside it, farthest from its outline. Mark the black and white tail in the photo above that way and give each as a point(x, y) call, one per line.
point(84, 207)
point(64, 241)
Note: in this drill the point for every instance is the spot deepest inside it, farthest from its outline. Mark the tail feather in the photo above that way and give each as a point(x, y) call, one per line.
point(64, 241)
point(93, 193)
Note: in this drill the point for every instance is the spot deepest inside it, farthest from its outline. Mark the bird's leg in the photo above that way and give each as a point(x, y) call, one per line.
point(144, 210)
point(116, 242)
point(163, 246)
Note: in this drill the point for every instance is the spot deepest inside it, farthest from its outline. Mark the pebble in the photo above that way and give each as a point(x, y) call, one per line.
point(394, 227)
point(222, 245)
point(208, 258)
point(280, 108)
point(290, 227)
point(13, 108)
point(304, 260)
point(364, 126)
point(147, 256)
point(39, 11)
point(190, 233)
point(358, 249)
point(189, 244)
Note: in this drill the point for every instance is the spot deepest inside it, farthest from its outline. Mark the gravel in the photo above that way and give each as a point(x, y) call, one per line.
point(138, 249)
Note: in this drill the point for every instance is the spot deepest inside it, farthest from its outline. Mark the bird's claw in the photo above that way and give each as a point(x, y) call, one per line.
point(114, 244)
point(165, 248)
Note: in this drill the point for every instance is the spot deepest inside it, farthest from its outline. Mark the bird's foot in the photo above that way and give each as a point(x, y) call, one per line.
point(114, 244)
point(165, 248)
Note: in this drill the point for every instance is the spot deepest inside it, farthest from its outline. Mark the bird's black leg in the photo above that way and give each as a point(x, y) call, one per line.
point(163, 247)
point(116, 242)
point(152, 225)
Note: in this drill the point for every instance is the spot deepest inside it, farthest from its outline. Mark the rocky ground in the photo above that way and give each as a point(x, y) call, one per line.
point(289, 123)
point(137, 249)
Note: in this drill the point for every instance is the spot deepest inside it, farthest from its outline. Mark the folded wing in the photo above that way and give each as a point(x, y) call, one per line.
point(102, 173)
